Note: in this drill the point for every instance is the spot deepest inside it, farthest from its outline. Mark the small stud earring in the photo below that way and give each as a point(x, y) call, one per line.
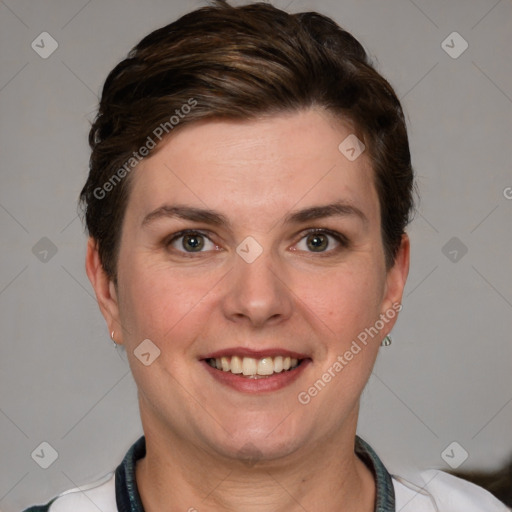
point(386, 341)
point(112, 336)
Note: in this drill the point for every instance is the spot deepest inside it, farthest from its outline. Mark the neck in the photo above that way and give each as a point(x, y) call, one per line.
point(176, 475)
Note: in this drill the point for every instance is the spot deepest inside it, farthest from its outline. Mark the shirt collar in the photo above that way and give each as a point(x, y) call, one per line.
point(128, 498)
point(385, 492)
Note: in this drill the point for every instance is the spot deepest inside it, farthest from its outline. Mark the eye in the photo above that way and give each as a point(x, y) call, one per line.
point(321, 240)
point(191, 242)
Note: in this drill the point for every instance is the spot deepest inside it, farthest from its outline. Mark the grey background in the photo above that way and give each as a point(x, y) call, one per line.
point(447, 377)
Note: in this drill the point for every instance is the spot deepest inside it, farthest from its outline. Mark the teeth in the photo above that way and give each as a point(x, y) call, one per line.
point(250, 367)
point(236, 365)
point(265, 366)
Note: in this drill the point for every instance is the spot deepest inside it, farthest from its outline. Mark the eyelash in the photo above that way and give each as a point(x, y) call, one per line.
point(343, 241)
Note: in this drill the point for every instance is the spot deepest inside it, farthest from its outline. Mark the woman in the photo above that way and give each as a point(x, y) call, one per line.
point(250, 184)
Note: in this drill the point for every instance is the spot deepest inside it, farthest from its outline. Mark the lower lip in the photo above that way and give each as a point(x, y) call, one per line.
point(261, 385)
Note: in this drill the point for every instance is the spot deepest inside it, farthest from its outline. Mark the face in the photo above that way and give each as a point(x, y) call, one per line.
point(255, 246)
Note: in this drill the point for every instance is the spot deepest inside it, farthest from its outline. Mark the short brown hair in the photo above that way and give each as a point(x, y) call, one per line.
point(240, 63)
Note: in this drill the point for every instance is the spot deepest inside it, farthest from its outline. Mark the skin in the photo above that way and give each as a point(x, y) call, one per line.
point(211, 447)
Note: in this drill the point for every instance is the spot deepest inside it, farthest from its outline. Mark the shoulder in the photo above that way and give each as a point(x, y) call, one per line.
point(437, 491)
point(101, 495)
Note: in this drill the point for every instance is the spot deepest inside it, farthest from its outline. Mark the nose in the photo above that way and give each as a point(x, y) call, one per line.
point(257, 293)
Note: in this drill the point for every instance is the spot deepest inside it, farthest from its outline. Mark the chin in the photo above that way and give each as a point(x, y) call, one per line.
point(251, 451)
point(264, 437)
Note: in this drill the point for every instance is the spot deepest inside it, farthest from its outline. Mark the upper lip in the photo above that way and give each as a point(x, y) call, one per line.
point(256, 354)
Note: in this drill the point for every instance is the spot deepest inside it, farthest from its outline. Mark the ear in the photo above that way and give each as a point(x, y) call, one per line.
point(104, 287)
point(395, 282)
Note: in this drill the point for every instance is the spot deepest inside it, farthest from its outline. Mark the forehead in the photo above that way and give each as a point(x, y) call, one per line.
point(257, 167)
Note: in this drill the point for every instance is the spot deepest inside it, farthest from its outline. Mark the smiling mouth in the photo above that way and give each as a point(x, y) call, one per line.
point(252, 368)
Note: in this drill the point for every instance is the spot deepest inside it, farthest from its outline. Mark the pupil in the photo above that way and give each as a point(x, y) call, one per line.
point(318, 242)
point(193, 242)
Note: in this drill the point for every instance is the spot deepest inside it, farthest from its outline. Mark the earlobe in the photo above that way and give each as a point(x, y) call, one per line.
point(104, 288)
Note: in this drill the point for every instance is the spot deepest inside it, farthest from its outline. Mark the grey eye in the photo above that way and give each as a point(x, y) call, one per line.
point(318, 242)
point(192, 242)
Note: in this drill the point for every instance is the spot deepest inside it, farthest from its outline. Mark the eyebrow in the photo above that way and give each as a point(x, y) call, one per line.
point(336, 209)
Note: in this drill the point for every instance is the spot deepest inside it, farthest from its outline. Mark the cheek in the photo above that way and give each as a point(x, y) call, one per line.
point(154, 301)
point(345, 312)
point(346, 301)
